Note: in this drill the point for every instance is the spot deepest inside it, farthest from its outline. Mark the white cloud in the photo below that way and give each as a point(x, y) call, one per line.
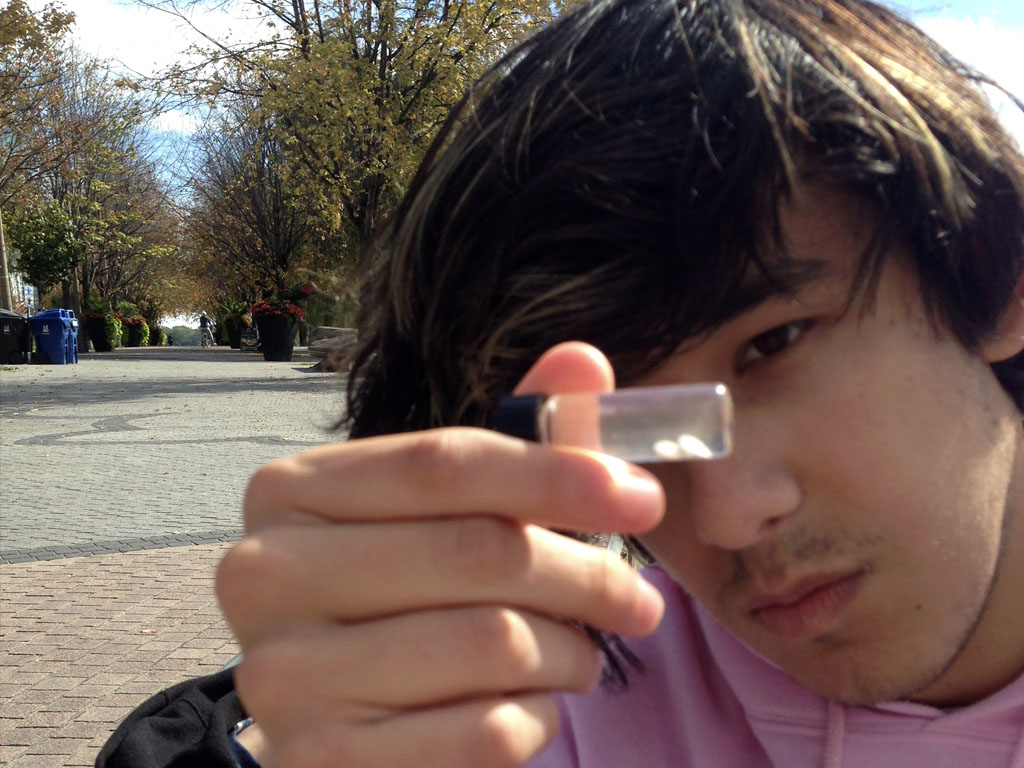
point(995, 51)
point(177, 121)
point(142, 41)
point(145, 40)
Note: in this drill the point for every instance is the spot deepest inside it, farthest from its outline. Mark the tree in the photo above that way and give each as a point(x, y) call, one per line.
point(99, 220)
point(367, 86)
point(245, 221)
point(47, 244)
point(354, 92)
point(31, 48)
point(31, 61)
point(110, 187)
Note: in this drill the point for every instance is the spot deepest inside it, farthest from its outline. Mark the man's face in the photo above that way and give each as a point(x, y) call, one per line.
point(867, 534)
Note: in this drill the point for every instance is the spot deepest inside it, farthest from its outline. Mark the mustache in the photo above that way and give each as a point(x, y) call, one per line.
point(799, 552)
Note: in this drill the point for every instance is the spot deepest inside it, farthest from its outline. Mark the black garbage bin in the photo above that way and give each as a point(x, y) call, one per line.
point(15, 338)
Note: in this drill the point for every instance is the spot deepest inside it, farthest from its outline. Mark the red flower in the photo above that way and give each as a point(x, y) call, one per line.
point(276, 307)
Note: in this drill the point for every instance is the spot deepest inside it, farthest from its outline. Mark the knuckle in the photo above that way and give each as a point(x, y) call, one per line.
point(255, 577)
point(502, 634)
point(328, 749)
point(265, 487)
point(589, 670)
point(602, 574)
point(238, 573)
point(311, 731)
point(496, 740)
point(268, 477)
point(437, 459)
point(500, 739)
point(255, 678)
point(484, 550)
point(265, 679)
point(575, 481)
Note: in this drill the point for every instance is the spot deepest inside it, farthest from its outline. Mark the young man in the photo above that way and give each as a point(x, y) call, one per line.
point(807, 200)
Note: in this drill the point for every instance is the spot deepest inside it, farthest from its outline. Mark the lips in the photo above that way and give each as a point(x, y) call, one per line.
point(808, 608)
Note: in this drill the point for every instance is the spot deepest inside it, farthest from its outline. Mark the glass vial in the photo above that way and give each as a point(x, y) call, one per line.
point(683, 422)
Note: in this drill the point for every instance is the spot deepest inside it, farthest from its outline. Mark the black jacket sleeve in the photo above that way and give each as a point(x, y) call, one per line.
point(186, 725)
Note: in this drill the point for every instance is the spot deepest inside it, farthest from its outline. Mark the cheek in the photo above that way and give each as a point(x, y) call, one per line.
point(911, 469)
point(900, 445)
point(700, 569)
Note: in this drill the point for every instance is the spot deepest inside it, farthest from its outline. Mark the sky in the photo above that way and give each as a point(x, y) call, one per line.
point(986, 34)
point(143, 41)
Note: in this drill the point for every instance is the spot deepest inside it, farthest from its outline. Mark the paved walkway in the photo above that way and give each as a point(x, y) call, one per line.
point(121, 481)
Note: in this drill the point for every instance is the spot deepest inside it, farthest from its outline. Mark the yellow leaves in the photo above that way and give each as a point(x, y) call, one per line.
point(352, 93)
point(22, 30)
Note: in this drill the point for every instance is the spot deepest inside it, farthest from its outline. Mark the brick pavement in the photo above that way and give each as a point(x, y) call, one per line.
point(147, 443)
point(87, 639)
point(120, 486)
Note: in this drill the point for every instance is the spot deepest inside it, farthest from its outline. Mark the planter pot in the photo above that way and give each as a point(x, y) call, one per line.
point(96, 327)
point(133, 337)
point(277, 337)
point(233, 330)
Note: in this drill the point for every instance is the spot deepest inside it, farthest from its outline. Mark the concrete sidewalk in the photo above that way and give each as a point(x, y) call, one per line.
point(121, 481)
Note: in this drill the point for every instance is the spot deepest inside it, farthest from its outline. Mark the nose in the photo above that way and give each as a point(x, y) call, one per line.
point(736, 501)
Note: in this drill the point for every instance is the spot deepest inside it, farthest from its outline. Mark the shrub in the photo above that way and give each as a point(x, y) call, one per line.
point(114, 329)
point(127, 309)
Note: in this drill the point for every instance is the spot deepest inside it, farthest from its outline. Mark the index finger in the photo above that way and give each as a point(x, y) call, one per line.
point(455, 471)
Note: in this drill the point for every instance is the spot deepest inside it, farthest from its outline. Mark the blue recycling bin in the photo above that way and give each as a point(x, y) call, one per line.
point(56, 332)
point(71, 340)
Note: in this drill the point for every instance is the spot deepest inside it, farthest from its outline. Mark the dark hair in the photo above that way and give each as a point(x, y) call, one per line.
point(610, 180)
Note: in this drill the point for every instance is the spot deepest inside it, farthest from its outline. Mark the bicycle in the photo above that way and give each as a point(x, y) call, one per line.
point(206, 337)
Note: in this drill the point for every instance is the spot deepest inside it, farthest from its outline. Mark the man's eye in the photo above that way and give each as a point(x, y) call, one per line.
point(771, 342)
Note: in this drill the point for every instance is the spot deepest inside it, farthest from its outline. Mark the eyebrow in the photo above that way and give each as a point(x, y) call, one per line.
point(785, 277)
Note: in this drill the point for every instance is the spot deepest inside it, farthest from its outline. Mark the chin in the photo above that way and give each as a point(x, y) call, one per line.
point(866, 680)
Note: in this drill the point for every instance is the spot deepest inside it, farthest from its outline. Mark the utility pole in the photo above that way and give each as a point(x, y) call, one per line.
point(5, 280)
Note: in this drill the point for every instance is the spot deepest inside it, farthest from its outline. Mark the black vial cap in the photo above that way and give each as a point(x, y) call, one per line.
point(517, 416)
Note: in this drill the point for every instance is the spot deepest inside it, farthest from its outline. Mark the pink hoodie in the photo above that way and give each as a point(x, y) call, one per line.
point(708, 700)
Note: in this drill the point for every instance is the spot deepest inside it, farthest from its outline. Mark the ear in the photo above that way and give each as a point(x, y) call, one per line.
point(1008, 339)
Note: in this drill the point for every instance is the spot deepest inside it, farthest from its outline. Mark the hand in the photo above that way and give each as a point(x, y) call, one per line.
point(400, 600)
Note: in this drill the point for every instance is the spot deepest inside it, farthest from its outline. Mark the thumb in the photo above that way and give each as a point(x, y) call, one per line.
point(568, 367)
point(572, 367)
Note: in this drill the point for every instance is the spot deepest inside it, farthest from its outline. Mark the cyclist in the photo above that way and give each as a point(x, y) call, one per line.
point(206, 330)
